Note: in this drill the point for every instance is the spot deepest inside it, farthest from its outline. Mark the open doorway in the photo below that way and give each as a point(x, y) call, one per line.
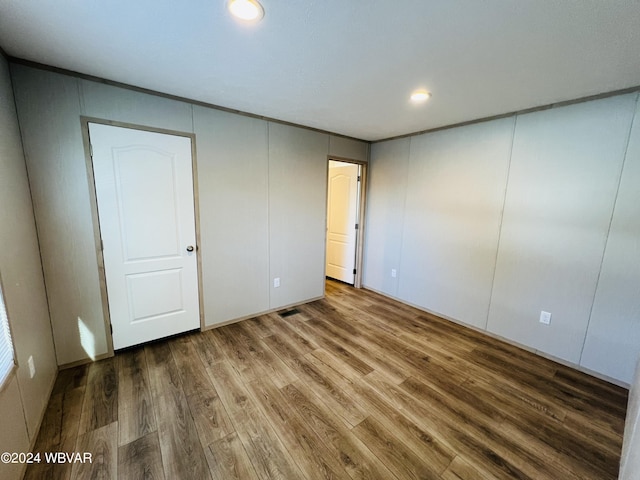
point(345, 202)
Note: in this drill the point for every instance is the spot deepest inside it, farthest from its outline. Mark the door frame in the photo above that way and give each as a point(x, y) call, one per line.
point(357, 282)
point(93, 200)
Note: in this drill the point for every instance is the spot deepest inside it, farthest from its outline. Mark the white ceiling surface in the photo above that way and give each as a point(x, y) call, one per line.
point(342, 66)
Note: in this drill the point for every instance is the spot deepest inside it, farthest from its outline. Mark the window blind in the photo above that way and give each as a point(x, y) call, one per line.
point(6, 346)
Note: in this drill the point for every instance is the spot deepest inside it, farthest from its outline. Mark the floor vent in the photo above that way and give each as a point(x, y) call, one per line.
point(288, 313)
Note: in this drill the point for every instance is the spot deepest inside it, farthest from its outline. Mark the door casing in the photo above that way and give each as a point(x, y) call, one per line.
point(84, 121)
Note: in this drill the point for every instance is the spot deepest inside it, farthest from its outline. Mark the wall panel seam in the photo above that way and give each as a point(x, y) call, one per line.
point(81, 96)
point(613, 210)
point(268, 127)
point(504, 204)
point(403, 219)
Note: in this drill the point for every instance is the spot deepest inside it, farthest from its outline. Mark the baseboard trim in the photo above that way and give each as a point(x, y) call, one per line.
point(84, 361)
point(247, 317)
point(565, 363)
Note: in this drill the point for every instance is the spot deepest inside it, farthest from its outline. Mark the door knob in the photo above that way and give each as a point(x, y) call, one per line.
point(190, 248)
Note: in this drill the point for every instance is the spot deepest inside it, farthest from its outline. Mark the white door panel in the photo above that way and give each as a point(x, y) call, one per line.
point(143, 295)
point(155, 201)
point(144, 188)
point(342, 212)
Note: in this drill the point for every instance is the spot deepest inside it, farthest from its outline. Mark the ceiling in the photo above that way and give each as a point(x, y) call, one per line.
point(332, 65)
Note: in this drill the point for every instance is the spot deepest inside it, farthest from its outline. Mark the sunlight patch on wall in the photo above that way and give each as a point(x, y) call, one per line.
point(87, 339)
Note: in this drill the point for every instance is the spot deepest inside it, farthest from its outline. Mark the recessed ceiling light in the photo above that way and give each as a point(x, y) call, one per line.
point(247, 10)
point(420, 96)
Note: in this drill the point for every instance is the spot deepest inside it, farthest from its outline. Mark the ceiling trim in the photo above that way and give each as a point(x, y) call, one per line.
point(549, 106)
point(62, 71)
point(113, 83)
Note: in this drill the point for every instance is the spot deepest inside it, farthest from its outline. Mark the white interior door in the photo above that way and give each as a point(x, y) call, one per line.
point(144, 189)
point(342, 214)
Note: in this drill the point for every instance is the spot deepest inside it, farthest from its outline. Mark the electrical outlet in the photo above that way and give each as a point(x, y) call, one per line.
point(276, 282)
point(32, 367)
point(545, 317)
point(393, 273)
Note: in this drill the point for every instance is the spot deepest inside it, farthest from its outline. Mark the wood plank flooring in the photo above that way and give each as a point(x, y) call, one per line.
point(355, 386)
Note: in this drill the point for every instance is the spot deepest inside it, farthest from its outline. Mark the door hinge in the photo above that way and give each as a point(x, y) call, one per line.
point(111, 328)
point(358, 177)
point(102, 245)
point(354, 271)
point(357, 226)
point(91, 153)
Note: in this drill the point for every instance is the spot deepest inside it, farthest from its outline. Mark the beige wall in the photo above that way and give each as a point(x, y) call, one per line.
point(491, 223)
point(49, 110)
point(261, 193)
point(455, 193)
point(486, 224)
point(297, 213)
point(24, 399)
point(613, 337)
point(386, 199)
point(233, 166)
point(563, 181)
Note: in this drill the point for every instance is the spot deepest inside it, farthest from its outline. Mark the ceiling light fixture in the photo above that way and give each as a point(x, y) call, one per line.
point(247, 10)
point(420, 96)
